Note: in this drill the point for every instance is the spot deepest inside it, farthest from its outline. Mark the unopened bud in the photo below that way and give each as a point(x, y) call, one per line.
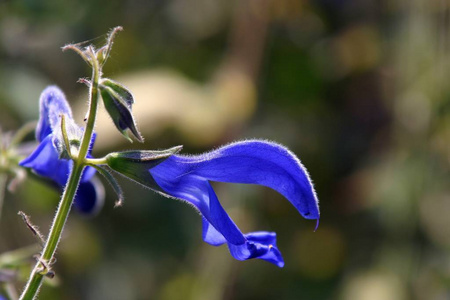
point(118, 101)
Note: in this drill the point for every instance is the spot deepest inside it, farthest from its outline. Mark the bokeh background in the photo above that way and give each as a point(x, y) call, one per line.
point(357, 89)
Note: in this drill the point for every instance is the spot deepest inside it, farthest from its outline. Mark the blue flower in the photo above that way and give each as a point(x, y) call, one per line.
point(46, 159)
point(254, 162)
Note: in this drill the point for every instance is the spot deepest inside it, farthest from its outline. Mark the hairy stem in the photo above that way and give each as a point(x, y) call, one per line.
point(96, 161)
point(42, 267)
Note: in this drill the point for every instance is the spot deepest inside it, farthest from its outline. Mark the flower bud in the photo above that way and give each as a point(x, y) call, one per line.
point(118, 101)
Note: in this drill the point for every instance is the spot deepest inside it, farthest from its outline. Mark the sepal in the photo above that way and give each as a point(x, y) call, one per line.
point(102, 54)
point(89, 54)
point(67, 138)
point(113, 182)
point(118, 102)
point(136, 164)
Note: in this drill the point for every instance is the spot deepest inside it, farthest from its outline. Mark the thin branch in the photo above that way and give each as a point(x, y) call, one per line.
point(32, 227)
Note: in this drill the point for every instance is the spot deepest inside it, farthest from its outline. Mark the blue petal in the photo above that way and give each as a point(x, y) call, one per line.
point(260, 244)
point(52, 104)
point(217, 217)
point(253, 162)
point(211, 235)
point(257, 162)
point(218, 228)
point(44, 161)
point(199, 193)
point(90, 197)
point(88, 173)
point(258, 247)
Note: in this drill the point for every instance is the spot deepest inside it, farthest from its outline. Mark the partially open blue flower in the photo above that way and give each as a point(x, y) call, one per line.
point(46, 159)
point(254, 162)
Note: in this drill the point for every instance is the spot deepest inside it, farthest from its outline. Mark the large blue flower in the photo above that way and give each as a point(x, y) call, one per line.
point(188, 178)
point(45, 159)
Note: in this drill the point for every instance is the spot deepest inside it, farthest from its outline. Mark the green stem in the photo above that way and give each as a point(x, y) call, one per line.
point(37, 275)
point(93, 105)
point(47, 257)
point(96, 161)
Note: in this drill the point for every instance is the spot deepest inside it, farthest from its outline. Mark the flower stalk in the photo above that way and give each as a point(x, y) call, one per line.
point(43, 265)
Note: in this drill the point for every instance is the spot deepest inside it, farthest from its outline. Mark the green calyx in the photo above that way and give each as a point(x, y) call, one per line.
point(68, 139)
point(118, 101)
point(136, 164)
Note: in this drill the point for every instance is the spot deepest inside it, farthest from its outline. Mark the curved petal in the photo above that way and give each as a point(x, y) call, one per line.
point(44, 161)
point(52, 104)
point(257, 246)
point(218, 217)
point(198, 192)
point(218, 227)
point(255, 162)
point(90, 197)
point(88, 173)
point(211, 235)
point(260, 244)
